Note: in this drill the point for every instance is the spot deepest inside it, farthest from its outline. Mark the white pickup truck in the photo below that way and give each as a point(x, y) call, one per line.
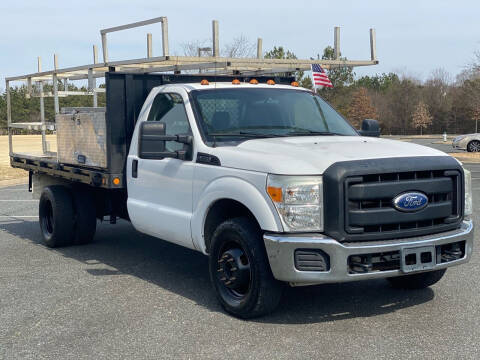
point(260, 175)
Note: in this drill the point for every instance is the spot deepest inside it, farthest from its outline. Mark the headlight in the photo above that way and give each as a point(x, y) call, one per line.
point(458, 138)
point(468, 192)
point(298, 200)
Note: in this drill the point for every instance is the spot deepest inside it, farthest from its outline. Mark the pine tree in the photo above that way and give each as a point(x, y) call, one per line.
point(421, 117)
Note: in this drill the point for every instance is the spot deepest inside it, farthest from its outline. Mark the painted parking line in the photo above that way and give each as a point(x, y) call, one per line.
point(18, 200)
point(19, 216)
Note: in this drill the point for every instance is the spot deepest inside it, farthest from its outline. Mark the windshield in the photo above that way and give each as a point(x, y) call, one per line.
point(239, 114)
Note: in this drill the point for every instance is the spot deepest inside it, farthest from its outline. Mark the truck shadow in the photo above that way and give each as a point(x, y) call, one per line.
point(120, 250)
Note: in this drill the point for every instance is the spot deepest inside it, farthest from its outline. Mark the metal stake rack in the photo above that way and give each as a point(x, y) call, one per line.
point(166, 63)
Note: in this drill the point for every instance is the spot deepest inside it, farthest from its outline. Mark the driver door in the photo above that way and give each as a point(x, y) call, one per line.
point(160, 190)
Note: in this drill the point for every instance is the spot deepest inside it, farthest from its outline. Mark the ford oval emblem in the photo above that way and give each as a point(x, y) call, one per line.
point(410, 201)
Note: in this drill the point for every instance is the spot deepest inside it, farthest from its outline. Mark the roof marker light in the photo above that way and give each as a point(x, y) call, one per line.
point(204, 82)
point(294, 83)
point(271, 82)
point(254, 81)
point(236, 82)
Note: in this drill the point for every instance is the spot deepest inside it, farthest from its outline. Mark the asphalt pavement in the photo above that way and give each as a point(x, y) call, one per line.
point(132, 296)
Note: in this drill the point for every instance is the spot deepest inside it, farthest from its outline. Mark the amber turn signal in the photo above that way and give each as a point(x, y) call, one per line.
point(116, 181)
point(275, 193)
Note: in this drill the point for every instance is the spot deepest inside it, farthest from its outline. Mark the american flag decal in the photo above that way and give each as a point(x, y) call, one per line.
point(320, 78)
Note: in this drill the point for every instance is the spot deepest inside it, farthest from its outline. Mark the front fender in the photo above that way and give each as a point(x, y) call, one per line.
point(240, 190)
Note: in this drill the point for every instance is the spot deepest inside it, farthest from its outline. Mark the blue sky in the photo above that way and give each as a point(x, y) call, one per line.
point(414, 37)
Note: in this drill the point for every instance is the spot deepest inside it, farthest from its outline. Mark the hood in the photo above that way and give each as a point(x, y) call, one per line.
point(312, 155)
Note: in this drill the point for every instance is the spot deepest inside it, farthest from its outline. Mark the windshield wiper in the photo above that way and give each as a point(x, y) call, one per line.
point(245, 134)
point(298, 131)
point(307, 132)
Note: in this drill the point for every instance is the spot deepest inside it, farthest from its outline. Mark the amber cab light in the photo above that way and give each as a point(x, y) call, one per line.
point(236, 82)
point(204, 82)
point(271, 82)
point(254, 81)
point(294, 83)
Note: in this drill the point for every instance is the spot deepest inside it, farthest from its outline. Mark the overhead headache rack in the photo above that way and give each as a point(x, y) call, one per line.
point(212, 64)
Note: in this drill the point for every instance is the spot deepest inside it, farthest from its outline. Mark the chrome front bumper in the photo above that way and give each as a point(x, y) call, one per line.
point(281, 249)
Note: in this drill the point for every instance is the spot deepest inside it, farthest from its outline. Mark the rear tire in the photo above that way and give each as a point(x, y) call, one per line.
point(417, 281)
point(85, 216)
point(473, 146)
point(56, 216)
point(240, 272)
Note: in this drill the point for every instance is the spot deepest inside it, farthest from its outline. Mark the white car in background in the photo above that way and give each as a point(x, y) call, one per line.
point(469, 142)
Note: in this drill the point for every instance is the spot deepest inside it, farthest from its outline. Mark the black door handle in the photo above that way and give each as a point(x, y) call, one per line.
point(135, 168)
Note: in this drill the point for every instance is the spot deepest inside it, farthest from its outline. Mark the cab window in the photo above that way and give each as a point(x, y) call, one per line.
point(170, 109)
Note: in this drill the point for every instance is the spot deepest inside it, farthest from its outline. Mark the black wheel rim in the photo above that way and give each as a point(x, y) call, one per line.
point(47, 218)
point(233, 272)
point(475, 146)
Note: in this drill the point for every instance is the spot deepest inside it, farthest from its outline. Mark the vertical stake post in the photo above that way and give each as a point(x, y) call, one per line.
point(95, 54)
point(165, 35)
point(149, 45)
point(93, 80)
point(373, 45)
point(56, 103)
point(104, 48)
point(336, 42)
point(259, 48)
point(42, 107)
point(9, 118)
point(28, 95)
point(216, 49)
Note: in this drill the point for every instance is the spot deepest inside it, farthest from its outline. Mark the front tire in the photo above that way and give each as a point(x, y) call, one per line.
point(473, 146)
point(240, 272)
point(417, 281)
point(56, 216)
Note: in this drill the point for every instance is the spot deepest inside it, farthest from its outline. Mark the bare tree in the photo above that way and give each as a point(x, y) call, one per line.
point(421, 117)
point(240, 47)
point(475, 114)
point(435, 92)
point(191, 48)
point(474, 67)
point(471, 93)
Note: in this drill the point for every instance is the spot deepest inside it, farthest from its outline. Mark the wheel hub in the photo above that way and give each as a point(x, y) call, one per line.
point(234, 270)
point(475, 146)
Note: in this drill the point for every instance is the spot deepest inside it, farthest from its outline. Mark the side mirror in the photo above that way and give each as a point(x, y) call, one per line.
point(370, 127)
point(152, 139)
